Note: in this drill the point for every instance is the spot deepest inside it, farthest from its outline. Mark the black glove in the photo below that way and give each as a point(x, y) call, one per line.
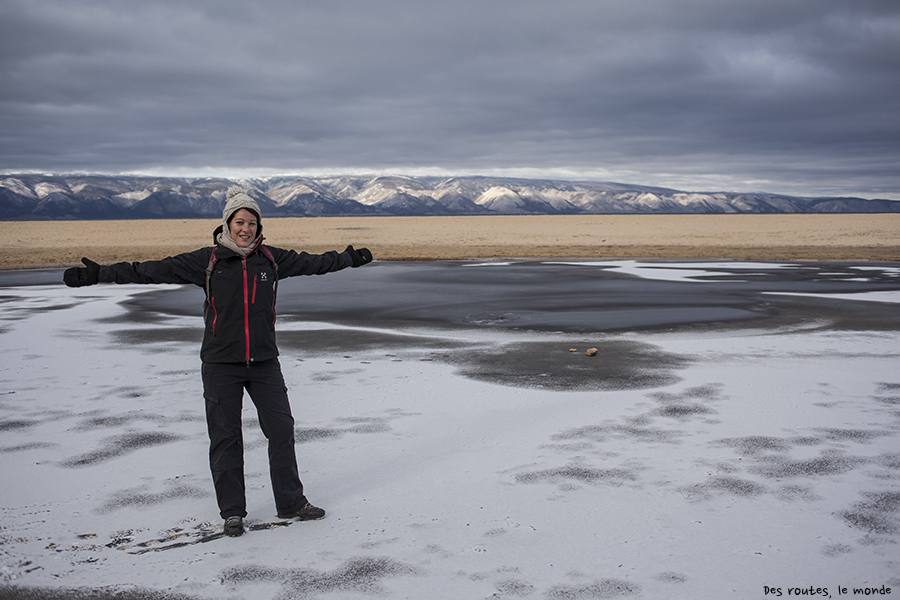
point(359, 257)
point(89, 274)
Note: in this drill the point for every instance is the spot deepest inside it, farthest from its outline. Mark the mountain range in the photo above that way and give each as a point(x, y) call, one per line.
point(47, 197)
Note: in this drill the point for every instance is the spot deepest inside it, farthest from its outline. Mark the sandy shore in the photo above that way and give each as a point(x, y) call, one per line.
point(875, 237)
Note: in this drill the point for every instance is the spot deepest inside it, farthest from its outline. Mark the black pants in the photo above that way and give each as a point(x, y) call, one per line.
point(223, 389)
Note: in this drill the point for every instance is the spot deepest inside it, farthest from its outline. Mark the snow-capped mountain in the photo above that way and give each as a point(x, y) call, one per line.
point(29, 196)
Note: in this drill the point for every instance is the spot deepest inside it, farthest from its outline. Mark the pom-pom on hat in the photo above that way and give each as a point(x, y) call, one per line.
point(236, 199)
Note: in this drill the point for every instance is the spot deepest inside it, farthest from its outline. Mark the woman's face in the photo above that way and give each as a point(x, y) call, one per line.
point(243, 227)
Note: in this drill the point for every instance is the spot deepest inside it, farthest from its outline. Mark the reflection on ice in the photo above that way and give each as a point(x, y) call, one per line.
point(696, 271)
point(891, 296)
point(669, 271)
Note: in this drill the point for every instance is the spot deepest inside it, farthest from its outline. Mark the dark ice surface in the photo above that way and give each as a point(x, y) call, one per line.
point(581, 300)
point(576, 296)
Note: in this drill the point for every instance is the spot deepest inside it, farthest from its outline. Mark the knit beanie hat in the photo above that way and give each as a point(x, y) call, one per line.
point(236, 199)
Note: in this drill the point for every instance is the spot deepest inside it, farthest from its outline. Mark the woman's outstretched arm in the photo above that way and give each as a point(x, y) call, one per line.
point(291, 263)
point(183, 268)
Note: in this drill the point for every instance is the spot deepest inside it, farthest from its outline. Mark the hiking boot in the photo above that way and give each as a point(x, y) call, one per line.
point(307, 513)
point(234, 526)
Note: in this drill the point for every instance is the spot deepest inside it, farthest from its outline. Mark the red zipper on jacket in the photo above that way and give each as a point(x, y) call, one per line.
point(246, 313)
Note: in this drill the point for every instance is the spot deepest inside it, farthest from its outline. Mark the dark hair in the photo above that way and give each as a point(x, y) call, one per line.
point(249, 210)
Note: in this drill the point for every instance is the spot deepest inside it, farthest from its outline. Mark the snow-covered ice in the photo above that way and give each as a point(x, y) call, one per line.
point(701, 463)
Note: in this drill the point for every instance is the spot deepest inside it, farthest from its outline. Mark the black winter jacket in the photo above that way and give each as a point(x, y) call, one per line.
point(240, 320)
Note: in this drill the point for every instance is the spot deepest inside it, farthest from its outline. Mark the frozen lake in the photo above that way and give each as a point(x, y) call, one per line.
point(736, 432)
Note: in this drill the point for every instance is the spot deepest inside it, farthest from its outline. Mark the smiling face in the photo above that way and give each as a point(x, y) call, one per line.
point(243, 227)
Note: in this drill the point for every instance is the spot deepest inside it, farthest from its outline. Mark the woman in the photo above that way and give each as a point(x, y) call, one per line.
point(240, 275)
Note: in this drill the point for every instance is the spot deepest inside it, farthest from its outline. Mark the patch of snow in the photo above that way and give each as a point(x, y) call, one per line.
point(44, 189)
point(130, 198)
point(17, 186)
point(499, 194)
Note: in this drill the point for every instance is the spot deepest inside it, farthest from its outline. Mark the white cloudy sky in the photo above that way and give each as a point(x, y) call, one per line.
point(796, 96)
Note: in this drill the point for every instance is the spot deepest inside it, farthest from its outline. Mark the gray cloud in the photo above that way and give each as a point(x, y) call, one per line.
point(797, 97)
